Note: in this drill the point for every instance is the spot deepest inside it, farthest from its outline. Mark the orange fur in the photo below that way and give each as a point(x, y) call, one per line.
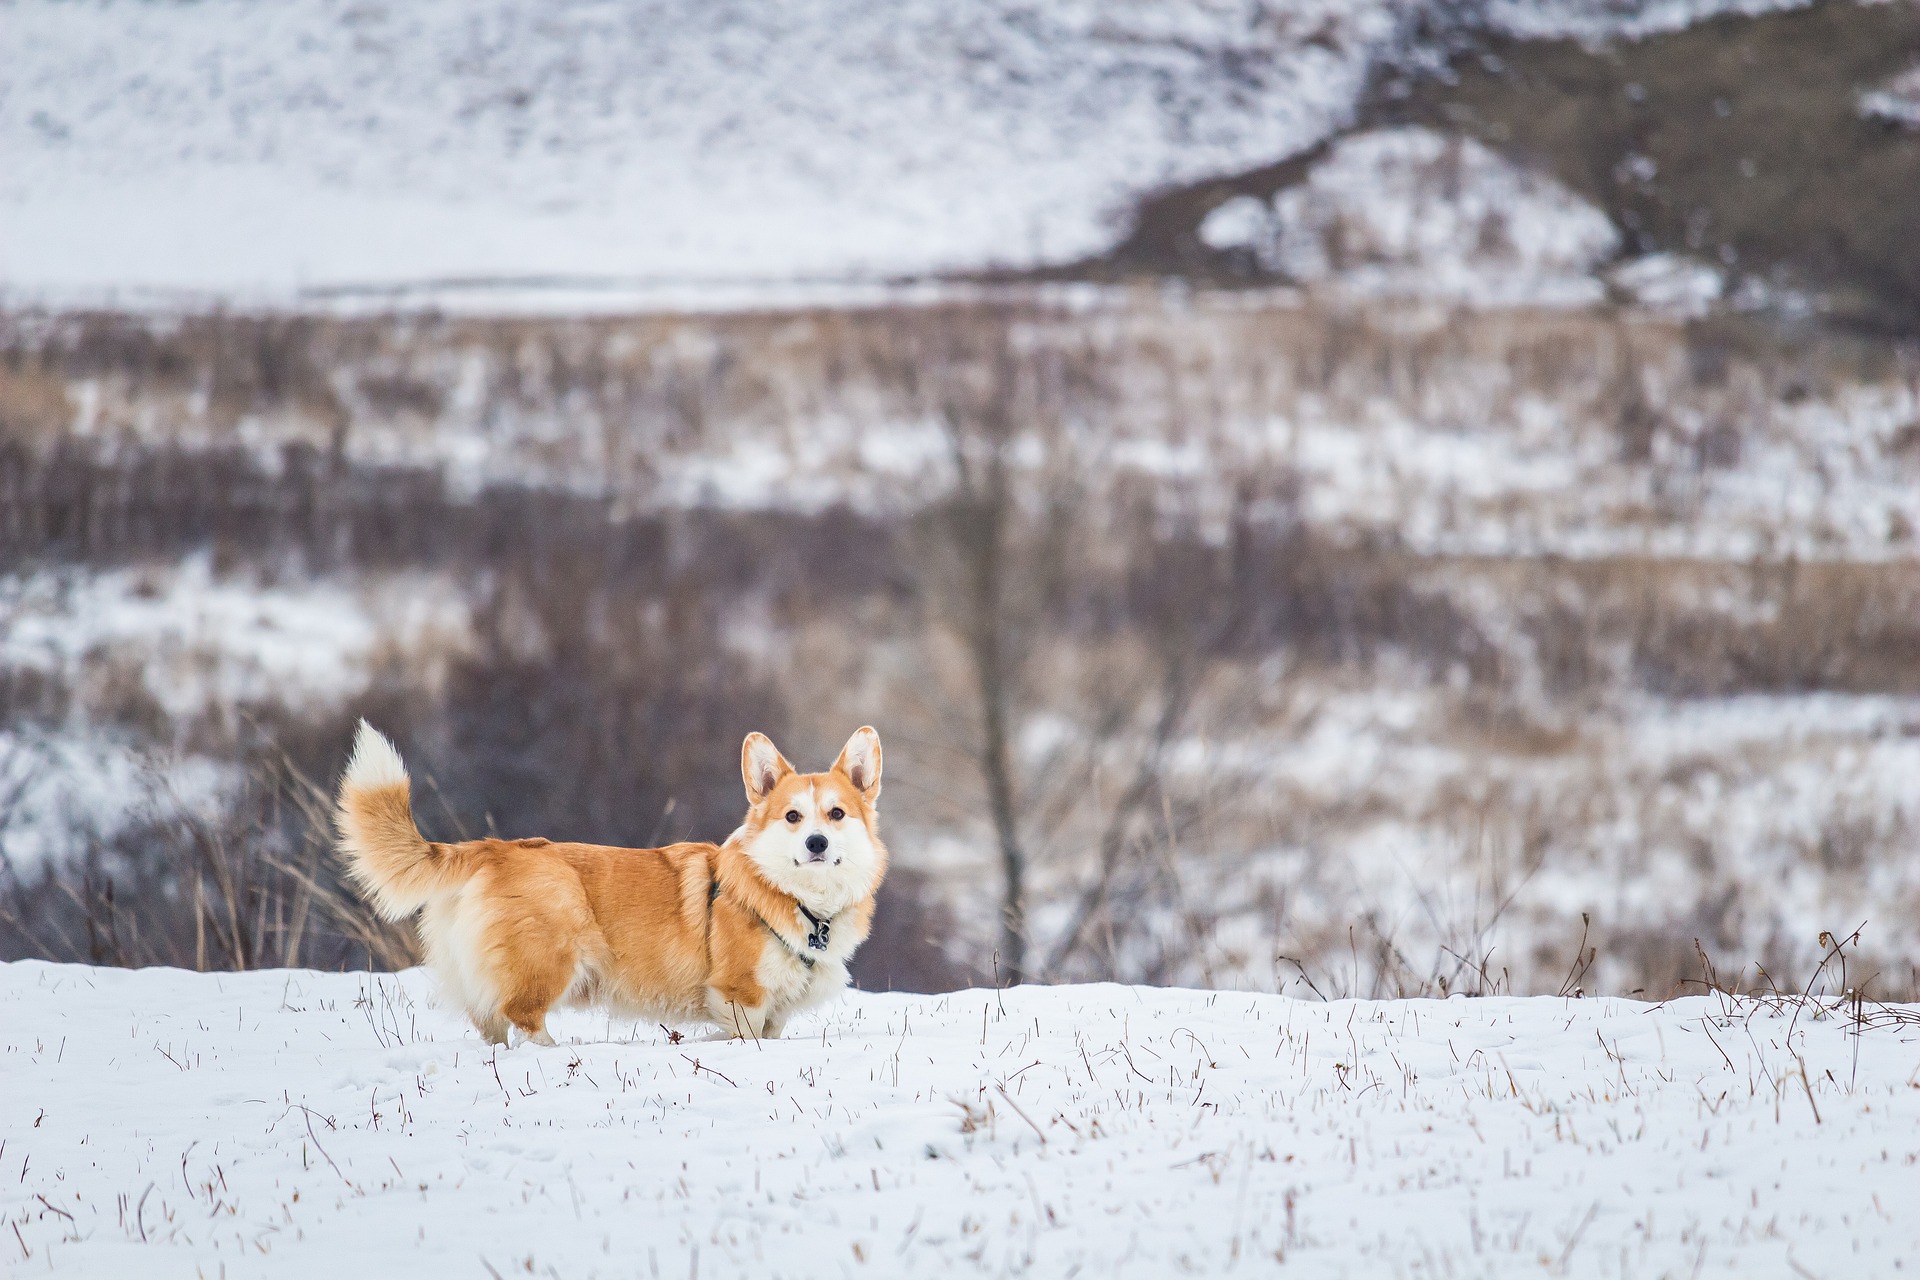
point(515, 927)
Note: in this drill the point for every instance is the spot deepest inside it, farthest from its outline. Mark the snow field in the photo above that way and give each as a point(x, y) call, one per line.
point(280, 149)
point(296, 1124)
point(302, 152)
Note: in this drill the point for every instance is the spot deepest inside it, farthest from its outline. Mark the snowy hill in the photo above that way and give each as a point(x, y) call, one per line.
point(258, 151)
point(301, 1124)
point(1559, 614)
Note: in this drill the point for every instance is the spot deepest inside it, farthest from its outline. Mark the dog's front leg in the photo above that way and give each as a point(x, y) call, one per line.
point(738, 1021)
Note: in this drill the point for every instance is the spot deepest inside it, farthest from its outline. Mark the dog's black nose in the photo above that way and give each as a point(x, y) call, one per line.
point(816, 843)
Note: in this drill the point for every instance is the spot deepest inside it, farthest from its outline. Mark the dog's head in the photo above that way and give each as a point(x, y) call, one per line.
point(815, 835)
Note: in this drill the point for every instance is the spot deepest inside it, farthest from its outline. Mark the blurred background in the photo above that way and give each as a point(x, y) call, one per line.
point(1357, 497)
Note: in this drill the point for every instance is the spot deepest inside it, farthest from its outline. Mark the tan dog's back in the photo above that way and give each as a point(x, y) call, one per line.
point(653, 912)
point(540, 924)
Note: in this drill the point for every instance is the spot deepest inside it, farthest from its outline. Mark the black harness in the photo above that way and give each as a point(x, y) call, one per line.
point(816, 938)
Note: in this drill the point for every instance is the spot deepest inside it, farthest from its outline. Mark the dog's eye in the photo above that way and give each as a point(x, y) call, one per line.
point(837, 814)
point(793, 815)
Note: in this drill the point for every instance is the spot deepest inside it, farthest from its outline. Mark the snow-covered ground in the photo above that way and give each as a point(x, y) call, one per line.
point(300, 1124)
point(290, 152)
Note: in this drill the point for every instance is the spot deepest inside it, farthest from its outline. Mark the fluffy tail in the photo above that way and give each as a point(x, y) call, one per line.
point(394, 865)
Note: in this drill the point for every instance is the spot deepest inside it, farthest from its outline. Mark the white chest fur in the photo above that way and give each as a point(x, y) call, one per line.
point(792, 984)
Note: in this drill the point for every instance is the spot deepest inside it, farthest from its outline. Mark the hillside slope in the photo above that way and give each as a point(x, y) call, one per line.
point(1503, 620)
point(258, 151)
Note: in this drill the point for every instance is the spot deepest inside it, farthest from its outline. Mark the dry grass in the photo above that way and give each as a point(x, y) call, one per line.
point(257, 887)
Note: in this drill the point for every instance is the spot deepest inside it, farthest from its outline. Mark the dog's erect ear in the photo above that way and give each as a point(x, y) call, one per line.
point(762, 766)
point(860, 761)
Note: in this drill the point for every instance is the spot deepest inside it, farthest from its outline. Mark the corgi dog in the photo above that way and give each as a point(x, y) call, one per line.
point(741, 934)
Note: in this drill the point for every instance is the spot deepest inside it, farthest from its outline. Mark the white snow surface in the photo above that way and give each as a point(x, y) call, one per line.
point(277, 152)
point(266, 148)
point(302, 1124)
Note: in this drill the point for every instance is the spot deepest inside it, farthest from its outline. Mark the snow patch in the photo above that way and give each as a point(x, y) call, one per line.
point(1671, 284)
point(1898, 100)
point(1244, 222)
point(198, 642)
point(1415, 212)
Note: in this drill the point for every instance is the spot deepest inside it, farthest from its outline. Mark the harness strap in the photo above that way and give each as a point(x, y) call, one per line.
point(713, 896)
point(801, 956)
